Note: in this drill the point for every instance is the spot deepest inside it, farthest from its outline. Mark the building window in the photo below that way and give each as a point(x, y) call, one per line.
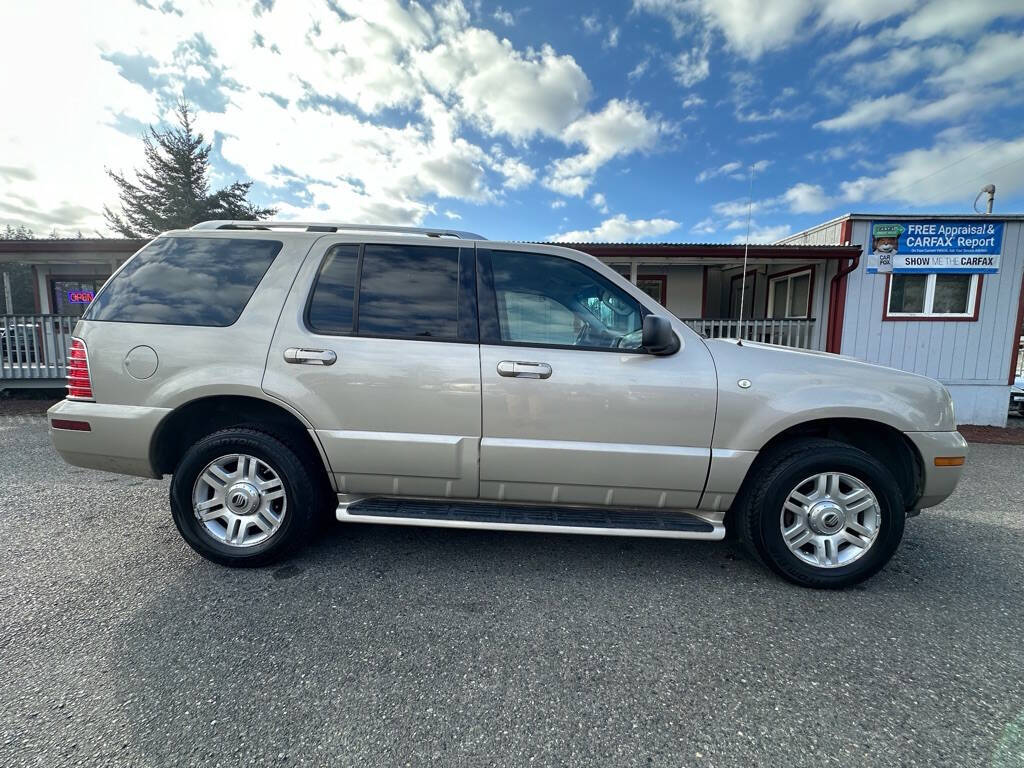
point(654, 286)
point(71, 295)
point(742, 290)
point(910, 296)
point(789, 295)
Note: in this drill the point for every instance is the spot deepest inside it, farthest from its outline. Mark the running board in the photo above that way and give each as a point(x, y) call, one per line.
point(537, 519)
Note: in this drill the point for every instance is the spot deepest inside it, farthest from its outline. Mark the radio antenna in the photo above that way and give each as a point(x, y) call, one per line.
point(746, 250)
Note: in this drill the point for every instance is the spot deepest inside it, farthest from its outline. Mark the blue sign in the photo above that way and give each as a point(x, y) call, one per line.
point(941, 247)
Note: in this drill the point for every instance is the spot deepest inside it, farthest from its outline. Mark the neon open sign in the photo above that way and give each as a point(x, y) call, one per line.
point(80, 297)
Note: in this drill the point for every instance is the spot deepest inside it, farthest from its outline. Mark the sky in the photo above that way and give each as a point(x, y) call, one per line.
point(629, 120)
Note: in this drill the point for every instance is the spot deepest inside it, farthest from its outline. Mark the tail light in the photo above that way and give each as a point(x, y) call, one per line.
point(79, 383)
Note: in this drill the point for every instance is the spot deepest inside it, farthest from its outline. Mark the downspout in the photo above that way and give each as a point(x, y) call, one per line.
point(837, 294)
point(837, 309)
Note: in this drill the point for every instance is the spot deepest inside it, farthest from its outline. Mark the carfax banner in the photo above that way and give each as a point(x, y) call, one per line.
point(942, 247)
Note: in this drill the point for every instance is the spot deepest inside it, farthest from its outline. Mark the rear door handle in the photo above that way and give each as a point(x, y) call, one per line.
point(524, 370)
point(301, 356)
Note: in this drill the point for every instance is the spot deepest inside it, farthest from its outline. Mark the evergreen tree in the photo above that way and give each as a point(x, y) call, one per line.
point(173, 191)
point(19, 232)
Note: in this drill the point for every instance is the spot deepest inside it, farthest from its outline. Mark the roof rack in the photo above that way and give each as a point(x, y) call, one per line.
point(324, 226)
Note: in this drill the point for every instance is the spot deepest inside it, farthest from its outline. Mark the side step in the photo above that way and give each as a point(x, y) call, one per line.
point(502, 517)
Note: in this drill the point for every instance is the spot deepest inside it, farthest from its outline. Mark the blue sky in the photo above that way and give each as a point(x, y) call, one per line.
point(630, 120)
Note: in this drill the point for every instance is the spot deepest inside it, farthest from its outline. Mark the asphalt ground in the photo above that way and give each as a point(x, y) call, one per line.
point(385, 646)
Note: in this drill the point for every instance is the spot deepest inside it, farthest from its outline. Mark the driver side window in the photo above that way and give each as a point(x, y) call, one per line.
point(551, 300)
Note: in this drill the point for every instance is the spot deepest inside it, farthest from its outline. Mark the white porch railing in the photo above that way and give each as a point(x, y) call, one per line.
point(34, 346)
point(788, 333)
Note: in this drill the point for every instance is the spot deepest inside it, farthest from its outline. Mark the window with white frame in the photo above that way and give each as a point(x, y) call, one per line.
point(789, 296)
point(932, 295)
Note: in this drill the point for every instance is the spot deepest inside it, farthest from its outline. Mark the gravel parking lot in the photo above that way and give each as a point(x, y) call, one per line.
point(400, 647)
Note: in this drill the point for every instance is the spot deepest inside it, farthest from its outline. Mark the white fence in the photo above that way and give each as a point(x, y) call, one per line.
point(34, 346)
point(789, 333)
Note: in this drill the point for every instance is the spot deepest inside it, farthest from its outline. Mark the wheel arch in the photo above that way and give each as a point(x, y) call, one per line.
point(886, 443)
point(197, 418)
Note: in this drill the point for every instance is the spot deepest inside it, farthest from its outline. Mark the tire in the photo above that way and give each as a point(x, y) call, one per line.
point(774, 495)
point(269, 526)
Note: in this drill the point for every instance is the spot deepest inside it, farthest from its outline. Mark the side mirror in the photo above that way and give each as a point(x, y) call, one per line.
point(658, 337)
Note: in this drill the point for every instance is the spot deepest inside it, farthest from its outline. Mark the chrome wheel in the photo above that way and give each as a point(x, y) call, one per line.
point(830, 520)
point(239, 500)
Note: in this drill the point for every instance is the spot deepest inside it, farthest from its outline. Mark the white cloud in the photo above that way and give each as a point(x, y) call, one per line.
point(900, 62)
point(807, 198)
point(757, 138)
point(872, 113)
point(753, 27)
point(517, 173)
point(622, 127)
point(591, 24)
point(558, 204)
point(775, 113)
point(599, 202)
point(618, 229)
point(692, 101)
point(952, 170)
point(504, 17)
point(639, 69)
point(710, 173)
point(452, 215)
point(612, 40)
point(704, 227)
point(691, 67)
point(734, 209)
point(764, 234)
point(518, 94)
point(867, 112)
point(317, 77)
point(992, 60)
point(734, 170)
point(956, 18)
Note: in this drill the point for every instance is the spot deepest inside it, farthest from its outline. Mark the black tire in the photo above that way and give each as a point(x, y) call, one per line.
point(302, 485)
point(757, 516)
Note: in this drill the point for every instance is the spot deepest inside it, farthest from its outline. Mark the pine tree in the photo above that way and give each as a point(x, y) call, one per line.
point(173, 191)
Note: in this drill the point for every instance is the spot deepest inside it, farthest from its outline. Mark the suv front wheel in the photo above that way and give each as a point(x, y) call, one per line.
point(241, 497)
point(822, 514)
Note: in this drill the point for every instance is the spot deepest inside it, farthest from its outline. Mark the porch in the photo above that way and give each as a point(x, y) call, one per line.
point(784, 290)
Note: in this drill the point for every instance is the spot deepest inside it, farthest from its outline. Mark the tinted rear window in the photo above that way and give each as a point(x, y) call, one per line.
point(330, 309)
point(186, 281)
point(409, 291)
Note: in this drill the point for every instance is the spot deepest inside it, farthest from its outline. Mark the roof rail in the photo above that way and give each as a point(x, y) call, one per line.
point(332, 226)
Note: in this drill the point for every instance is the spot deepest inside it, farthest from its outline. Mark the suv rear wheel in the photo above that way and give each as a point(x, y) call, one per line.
point(241, 497)
point(822, 514)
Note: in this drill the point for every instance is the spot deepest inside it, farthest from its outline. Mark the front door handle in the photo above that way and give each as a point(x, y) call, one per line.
point(301, 356)
point(524, 370)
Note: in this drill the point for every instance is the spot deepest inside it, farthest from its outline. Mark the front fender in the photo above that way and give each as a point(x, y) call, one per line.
point(791, 387)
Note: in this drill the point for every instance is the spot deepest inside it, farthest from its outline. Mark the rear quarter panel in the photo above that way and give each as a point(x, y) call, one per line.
point(195, 361)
